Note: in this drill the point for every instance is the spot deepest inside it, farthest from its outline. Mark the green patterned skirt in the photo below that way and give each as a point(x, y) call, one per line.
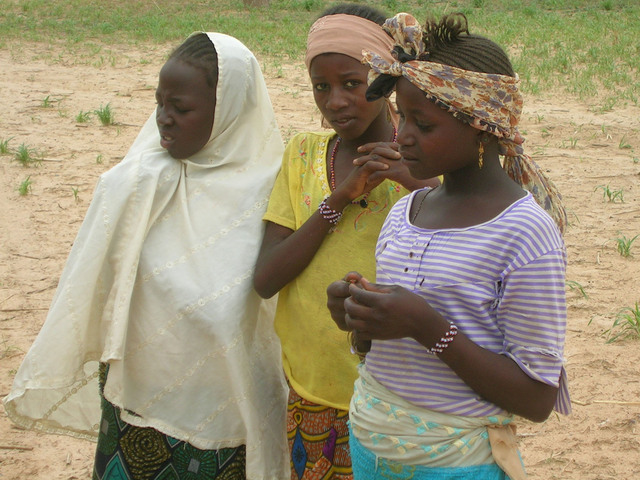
point(127, 452)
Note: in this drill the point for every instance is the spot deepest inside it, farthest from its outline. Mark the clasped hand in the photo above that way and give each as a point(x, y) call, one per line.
point(377, 312)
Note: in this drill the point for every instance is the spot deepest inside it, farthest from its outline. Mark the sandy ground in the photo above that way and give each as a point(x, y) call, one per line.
point(584, 152)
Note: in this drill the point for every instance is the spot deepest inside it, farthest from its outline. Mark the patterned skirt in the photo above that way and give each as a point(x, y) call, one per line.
point(127, 452)
point(318, 440)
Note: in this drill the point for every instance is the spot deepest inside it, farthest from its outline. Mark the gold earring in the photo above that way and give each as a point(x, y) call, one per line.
point(480, 155)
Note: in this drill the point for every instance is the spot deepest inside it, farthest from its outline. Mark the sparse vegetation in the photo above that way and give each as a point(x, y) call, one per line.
point(25, 186)
point(83, 117)
point(623, 244)
point(610, 194)
point(105, 114)
point(626, 324)
point(26, 156)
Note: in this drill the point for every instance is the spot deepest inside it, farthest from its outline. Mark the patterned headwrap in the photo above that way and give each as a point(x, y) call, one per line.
point(488, 102)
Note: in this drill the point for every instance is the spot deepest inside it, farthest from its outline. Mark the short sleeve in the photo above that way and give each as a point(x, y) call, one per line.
point(532, 314)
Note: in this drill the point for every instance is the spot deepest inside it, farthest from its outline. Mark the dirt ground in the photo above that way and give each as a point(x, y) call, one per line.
point(587, 154)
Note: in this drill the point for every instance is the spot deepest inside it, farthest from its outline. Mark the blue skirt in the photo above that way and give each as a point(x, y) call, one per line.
point(367, 467)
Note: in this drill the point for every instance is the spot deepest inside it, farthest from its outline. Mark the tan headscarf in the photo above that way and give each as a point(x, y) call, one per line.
point(349, 35)
point(159, 285)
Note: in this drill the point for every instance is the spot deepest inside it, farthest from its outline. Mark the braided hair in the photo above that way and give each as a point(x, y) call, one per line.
point(449, 42)
point(362, 11)
point(199, 52)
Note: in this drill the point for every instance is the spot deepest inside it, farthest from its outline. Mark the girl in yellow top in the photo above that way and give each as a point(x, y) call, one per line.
point(326, 211)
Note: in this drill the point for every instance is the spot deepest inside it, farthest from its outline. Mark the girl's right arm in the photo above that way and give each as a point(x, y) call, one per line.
point(285, 253)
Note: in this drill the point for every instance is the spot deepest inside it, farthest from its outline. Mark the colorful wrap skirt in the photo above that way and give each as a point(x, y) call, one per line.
point(318, 440)
point(128, 452)
point(392, 438)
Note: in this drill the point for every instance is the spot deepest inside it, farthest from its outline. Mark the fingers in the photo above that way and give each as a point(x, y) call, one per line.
point(390, 149)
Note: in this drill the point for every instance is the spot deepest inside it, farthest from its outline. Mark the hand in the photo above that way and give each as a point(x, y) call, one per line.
point(383, 312)
point(359, 181)
point(337, 292)
point(383, 153)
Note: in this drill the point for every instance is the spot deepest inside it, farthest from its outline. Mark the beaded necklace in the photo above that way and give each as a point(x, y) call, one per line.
point(332, 174)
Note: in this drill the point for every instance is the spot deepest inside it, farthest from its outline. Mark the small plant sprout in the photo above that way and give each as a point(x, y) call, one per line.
point(4, 146)
point(99, 159)
point(75, 191)
point(611, 195)
point(626, 324)
point(25, 186)
point(623, 143)
point(105, 114)
point(83, 117)
point(26, 156)
point(47, 102)
point(573, 285)
point(636, 160)
point(623, 244)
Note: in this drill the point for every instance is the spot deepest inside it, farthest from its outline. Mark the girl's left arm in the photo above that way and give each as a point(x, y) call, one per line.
point(387, 312)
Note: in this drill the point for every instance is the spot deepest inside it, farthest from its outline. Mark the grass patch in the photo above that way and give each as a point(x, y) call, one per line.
point(611, 195)
point(626, 324)
point(25, 186)
point(586, 48)
point(83, 117)
point(4, 146)
point(26, 156)
point(623, 245)
point(105, 115)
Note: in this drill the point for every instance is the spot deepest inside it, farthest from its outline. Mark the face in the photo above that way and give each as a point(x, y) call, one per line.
point(339, 84)
point(432, 141)
point(186, 105)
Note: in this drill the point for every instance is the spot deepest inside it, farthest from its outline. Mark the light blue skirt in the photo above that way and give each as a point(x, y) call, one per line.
point(367, 467)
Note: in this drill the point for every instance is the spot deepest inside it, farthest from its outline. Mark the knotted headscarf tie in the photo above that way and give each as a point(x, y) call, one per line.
point(488, 102)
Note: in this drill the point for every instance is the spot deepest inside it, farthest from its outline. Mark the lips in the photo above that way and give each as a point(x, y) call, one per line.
point(165, 140)
point(341, 122)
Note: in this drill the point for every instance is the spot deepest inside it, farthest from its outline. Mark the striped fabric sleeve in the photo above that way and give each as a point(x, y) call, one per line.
point(532, 316)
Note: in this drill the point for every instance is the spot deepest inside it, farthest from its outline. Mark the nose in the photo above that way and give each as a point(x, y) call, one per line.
point(404, 135)
point(162, 117)
point(336, 99)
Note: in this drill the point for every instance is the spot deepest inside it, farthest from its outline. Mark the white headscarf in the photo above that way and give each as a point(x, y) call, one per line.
point(159, 285)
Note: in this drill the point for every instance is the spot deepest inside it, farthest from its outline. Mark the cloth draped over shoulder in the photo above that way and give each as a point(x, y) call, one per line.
point(158, 285)
point(488, 102)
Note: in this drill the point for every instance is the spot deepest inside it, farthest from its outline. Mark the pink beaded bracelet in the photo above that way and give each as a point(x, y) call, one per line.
point(329, 214)
point(444, 341)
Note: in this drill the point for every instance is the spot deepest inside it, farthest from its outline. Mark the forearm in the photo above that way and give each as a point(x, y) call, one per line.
point(498, 379)
point(283, 257)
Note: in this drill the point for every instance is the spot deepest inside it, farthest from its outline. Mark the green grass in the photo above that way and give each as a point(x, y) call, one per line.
point(26, 156)
point(623, 245)
point(4, 146)
point(105, 114)
point(585, 48)
point(25, 186)
point(83, 117)
point(611, 195)
point(626, 324)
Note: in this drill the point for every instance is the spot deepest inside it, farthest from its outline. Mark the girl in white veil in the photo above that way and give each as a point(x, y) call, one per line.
point(157, 290)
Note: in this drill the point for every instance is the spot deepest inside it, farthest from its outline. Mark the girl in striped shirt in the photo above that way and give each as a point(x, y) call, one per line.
point(466, 323)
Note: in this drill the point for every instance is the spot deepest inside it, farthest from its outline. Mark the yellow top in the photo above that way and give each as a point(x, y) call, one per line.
point(316, 354)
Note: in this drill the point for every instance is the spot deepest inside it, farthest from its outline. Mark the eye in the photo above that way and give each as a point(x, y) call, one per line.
point(423, 127)
point(352, 83)
point(321, 87)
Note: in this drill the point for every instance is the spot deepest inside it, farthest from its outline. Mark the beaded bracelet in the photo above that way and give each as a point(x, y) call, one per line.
point(329, 214)
point(444, 341)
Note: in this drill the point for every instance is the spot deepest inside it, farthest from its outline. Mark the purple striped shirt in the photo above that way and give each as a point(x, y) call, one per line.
point(501, 282)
